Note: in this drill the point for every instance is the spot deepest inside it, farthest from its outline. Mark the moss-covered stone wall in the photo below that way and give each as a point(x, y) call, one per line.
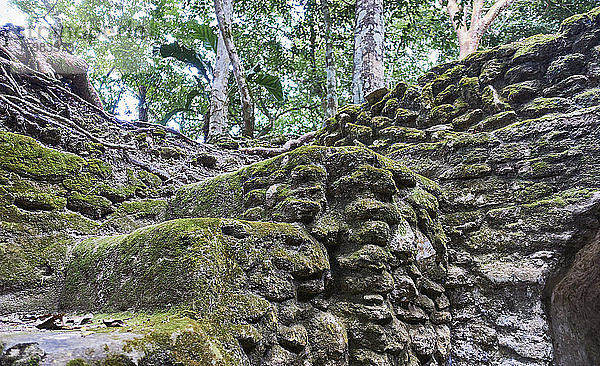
point(539, 76)
point(438, 223)
point(51, 199)
point(378, 221)
point(511, 135)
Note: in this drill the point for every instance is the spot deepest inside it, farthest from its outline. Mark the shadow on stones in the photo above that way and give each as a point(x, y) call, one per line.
point(572, 301)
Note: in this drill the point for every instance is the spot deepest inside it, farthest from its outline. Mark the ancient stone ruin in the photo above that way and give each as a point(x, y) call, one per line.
point(453, 222)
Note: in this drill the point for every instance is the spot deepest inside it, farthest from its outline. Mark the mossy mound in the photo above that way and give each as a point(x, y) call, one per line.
point(206, 264)
point(51, 198)
point(225, 272)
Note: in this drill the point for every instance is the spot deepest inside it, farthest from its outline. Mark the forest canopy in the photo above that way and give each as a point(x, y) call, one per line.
point(165, 61)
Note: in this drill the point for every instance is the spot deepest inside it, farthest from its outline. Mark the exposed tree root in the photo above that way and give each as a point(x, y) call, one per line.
point(166, 129)
point(11, 80)
point(150, 169)
point(274, 151)
point(6, 99)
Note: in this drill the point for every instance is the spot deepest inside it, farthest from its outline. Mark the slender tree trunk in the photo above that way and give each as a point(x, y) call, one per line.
point(217, 121)
point(468, 45)
point(225, 31)
point(142, 104)
point(57, 27)
point(469, 35)
point(312, 13)
point(331, 104)
point(367, 74)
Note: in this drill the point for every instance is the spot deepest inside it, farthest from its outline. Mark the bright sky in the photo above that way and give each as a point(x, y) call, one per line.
point(10, 14)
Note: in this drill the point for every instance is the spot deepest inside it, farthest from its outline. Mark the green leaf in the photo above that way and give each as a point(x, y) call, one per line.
point(270, 82)
point(206, 34)
point(190, 98)
point(188, 56)
point(170, 115)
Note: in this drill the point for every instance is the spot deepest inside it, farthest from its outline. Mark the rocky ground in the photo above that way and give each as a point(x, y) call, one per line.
point(453, 222)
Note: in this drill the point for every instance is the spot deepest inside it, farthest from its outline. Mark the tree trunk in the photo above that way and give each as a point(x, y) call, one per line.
point(368, 70)
point(142, 104)
point(312, 13)
point(217, 121)
point(57, 27)
point(225, 31)
point(331, 104)
point(469, 36)
point(468, 42)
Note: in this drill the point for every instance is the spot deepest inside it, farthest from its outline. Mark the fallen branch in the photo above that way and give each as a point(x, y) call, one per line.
point(274, 151)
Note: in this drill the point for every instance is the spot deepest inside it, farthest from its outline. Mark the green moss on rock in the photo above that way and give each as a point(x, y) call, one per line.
point(468, 119)
point(491, 100)
point(536, 46)
point(588, 98)
point(447, 96)
point(467, 171)
point(39, 200)
point(367, 179)
point(144, 208)
point(351, 109)
point(441, 114)
point(402, 134)
point(28, 263)
point(542, 106)
point(194, 262)
point(360, 133)
point(218, 197)
point(565, 66)
point(381, 123)
point(169, 152)
point(405, 117)
point(296, 210)
point(99, 168)
point(90, 205)
point(227, 143)
point(521, 92)
point(370, 209)
point(24, 155)
point(178, 340)
point(495, 122)
point(577, 22)
point(469, 89)
point(491, 71)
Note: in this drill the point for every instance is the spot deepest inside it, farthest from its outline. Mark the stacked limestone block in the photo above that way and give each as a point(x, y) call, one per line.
point(379, 224)
point(511, 135)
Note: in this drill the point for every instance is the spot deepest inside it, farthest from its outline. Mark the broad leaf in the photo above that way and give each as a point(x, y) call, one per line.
point(188, 56)
point(270, 82)
point(187, 107)
point(206, 34)
point(170, 115)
